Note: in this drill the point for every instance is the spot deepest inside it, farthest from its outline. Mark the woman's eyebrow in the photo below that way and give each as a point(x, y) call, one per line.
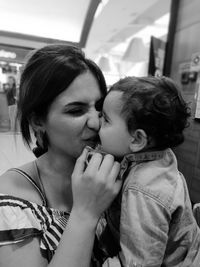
point(82, 103)
point(76, 103)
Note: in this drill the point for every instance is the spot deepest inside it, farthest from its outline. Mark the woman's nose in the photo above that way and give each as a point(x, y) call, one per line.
point(94, 120)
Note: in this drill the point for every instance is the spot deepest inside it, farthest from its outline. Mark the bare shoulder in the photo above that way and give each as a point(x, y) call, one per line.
point(14, 184)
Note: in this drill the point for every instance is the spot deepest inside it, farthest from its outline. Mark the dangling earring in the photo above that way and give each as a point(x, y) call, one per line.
point(41, 143)
point(41, 139)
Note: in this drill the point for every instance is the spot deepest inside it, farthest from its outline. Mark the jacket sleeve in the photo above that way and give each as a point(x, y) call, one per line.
point(144, 229)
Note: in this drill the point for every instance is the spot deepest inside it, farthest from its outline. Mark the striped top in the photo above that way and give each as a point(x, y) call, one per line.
point(21, 219)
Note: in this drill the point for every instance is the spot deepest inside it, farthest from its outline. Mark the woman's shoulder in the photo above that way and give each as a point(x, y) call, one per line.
point(15, 184)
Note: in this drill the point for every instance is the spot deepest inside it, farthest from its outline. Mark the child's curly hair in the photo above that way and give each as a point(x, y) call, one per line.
point(155, 105)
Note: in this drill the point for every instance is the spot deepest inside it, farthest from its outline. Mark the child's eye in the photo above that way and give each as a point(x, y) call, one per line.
point(104, 119)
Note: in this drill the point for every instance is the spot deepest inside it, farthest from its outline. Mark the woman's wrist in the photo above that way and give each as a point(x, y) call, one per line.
point(84, 217)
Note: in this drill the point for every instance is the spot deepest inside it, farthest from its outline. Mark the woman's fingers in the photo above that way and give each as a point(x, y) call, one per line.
point(94, 163)
point(106, 165)
point(112, 181)
point(117, 187)
point(114, 172)
point(104, 168)
point(80, 163)
point(95, 187)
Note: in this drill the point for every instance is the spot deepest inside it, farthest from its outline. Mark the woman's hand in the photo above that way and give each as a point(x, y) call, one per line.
point(95, 187)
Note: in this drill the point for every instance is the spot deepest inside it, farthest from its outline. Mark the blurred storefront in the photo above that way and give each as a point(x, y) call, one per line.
point(11, 61)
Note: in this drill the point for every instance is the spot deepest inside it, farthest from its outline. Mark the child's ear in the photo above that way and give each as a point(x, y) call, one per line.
point(139, 140)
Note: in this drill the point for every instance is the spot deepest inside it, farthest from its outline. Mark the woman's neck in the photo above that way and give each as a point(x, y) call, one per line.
point(55, 173)
point(57, 164)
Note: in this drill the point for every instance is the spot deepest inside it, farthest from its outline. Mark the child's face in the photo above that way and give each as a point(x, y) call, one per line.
point(114, 135)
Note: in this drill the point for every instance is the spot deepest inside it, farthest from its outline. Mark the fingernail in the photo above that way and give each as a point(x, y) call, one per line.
point(85, 149)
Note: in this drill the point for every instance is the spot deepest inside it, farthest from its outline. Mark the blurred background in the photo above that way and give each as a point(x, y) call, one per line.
point(124, 37)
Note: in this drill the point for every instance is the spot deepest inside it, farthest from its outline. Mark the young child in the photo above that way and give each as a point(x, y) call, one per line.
point(151, 221)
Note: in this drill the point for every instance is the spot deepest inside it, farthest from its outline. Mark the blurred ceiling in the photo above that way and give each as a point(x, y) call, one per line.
point(121, 19)
point(99, 27)
point(34, 22)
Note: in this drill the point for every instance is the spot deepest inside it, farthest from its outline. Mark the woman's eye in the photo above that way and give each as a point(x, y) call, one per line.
point(75, 112)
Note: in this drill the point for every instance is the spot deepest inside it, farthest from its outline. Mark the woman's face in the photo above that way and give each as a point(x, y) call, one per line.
point(73, 120)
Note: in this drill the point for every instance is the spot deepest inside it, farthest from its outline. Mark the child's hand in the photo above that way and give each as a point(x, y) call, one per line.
point(95, 187)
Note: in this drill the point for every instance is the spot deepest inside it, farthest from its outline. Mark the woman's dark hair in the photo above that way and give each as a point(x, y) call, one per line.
point(47, 73)
point(155, 105)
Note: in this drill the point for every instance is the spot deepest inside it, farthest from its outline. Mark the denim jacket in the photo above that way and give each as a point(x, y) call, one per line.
point(151, 222)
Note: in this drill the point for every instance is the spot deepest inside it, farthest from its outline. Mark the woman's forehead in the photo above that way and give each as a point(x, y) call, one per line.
point(84, 88)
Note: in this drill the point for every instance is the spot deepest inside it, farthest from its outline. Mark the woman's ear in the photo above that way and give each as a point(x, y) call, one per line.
point(139, 140)
point(37, 123)
point(39, 130)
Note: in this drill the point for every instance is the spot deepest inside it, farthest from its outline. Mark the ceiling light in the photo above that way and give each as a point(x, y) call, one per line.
point(101, 5)
point(164, 20)
point(136, 51)
point(158, 29)
point(104, 64)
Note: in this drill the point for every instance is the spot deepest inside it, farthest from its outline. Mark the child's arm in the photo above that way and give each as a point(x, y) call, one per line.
point(143, 230)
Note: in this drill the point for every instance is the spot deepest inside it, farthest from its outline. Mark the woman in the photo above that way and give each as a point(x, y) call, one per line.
point(11, 91)
point(49, 208)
